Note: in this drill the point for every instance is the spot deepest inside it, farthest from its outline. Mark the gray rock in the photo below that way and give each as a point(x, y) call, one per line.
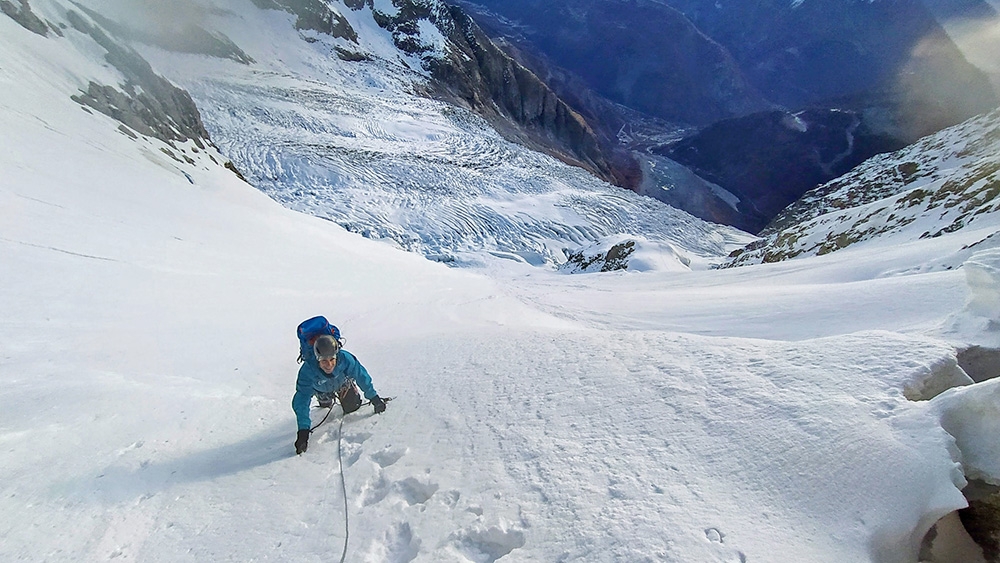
point(24, 16)
point(147, 102)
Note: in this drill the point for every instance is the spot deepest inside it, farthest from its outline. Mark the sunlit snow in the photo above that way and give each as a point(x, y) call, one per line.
point(148, 306)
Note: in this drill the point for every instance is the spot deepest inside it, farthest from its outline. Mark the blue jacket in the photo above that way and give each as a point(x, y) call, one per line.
point(312, 380)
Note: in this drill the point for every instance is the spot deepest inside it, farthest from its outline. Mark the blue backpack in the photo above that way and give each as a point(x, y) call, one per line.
point(311, 329)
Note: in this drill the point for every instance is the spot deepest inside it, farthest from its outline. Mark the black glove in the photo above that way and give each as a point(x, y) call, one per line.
point(379, 404)
point(302, 441)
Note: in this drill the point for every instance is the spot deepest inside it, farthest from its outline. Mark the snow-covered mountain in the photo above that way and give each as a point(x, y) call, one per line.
point(349, 141)
point(827, 409)
point(944, 183)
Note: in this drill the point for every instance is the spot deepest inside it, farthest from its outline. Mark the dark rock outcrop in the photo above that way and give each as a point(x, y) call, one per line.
point(521, 106)
point(982, 518)
point(313, 15)
point(24, 16)
point(615, 259)
point(147, 102)
point(606, 118)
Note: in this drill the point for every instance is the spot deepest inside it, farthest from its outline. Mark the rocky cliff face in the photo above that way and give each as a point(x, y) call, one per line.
point(146, 102)
point(20, 11)
point(644, 55)
point(315, 15)
point(470, 70)
point(476, 73)
point(606, 118)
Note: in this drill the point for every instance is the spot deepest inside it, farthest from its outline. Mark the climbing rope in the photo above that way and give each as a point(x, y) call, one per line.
point(343, 482)
point(343, 486)
point(340, 461)
point(329, 410)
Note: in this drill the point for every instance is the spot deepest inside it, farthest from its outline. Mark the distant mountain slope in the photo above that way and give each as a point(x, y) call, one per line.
point(462, 64)
point(729, 66)
point(944, 183)
point(320, 107)
point(828, 53)
point(699, 62)
point(767, 160)
point(148, 300)
point(974, 26)
point(646, 56)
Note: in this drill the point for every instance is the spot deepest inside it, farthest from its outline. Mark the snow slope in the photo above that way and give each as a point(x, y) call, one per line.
point(147, 310)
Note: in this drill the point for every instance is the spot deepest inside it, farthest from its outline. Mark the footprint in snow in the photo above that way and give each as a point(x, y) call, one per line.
point(450, 499)
point(352, 447)
point(415, 491)
point(398, 544)
point(358, 438)
point(375, 489)
point(482, 543)
point(410, 490)
point(352, 454)
point(389, 455)
point(715, 535)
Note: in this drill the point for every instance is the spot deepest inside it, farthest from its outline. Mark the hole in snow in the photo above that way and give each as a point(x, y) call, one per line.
point(489, 544)
point(949, 542)
point(982, 517)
